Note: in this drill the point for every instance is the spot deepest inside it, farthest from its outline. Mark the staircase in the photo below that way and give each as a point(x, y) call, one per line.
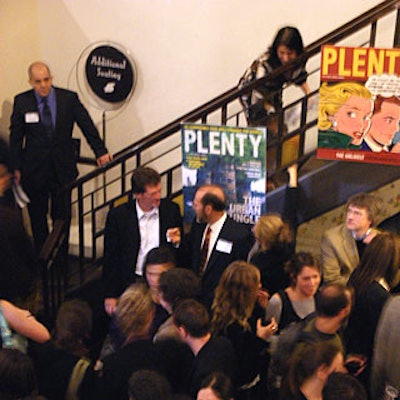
point(95, 193)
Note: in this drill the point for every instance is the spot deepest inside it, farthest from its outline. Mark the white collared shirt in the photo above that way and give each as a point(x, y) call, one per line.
point(375, 147)
point(215, 231)
point(149, 228)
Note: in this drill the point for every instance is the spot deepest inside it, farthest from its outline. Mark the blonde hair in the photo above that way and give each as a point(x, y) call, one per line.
point(332, 97)
point(235, 296)
point(135, 311)
point(271, 230)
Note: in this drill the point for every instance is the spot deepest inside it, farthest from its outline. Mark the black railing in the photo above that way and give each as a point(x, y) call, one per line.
point(96, 192)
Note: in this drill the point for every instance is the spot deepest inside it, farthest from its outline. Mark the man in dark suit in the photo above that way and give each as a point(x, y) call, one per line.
point(228, 241)
point(133, 229)
point(43, 155)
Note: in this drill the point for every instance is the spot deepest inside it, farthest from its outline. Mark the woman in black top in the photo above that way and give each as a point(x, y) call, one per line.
point(372, 280)
point(298, 300)
point(233, 305)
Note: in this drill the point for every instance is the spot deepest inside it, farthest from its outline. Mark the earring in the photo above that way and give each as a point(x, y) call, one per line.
point(334, 123)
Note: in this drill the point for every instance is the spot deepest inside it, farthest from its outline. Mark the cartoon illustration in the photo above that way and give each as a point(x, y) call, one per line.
point(384, 124)
point(344, 116)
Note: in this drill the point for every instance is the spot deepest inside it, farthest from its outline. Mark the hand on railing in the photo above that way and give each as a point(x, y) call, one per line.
point(104, 159)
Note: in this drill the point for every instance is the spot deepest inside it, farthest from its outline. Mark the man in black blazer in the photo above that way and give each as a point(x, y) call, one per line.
point(43, 155)
point(229, 241)
point(133, 229)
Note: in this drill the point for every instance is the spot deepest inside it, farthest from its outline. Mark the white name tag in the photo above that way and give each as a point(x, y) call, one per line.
point(224, 246)
point(32, 117)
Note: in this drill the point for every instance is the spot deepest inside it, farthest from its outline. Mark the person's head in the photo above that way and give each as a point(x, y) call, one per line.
point(346, 108)
point(146, 187)
point(235, 295)
point(334, 300)
point(384, 120)
point(17, 375)
point(381, 260)
point(192, 318)
point(362, 212)
point(305, 273)
point(73, 326)
point(270, 230)
point(287, 45)
point(135, 312)
point(315, 361)
point(209, 202)
point(149, 385)
point(157, 261)
point(343, 386)
point(176, 285)
point(40, 78)
point(216, 386)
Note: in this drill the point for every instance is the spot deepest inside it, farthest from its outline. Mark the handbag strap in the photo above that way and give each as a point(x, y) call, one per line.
point(76, 378)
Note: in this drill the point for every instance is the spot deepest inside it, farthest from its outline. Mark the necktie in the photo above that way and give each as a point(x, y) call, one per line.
point(46, 118)
point(204, 252)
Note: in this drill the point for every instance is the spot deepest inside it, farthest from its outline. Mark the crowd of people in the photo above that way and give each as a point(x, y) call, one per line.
point(222, 312)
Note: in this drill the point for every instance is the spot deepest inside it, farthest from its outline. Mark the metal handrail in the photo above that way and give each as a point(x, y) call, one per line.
point(100, 199)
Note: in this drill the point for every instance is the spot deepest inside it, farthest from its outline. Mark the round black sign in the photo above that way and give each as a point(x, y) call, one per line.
point(110, 74)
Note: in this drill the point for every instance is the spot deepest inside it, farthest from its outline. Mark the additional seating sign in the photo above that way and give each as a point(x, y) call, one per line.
point(232, 157)
point(110, 74)
point(359, 105)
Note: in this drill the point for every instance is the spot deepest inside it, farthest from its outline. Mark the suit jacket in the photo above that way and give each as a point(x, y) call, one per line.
point(122, 242)
point(339, 255)
point(31, 149)
point(241, 238)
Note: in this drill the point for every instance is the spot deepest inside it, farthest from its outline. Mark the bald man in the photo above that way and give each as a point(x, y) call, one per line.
point(43, 154)
point(227, 240)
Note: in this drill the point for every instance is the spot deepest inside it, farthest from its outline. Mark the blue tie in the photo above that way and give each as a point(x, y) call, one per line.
point(46, 118)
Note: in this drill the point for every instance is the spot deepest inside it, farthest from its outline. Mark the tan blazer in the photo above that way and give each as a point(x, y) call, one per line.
point(339, 255)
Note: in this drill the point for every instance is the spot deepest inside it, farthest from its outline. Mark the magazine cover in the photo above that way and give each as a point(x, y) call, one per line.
point(231, 157)
point(359, 105)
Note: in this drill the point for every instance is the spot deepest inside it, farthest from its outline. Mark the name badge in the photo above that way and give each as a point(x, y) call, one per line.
point(224, 246)
point(32, 117)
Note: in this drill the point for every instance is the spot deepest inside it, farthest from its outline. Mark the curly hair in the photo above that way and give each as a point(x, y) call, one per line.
point(295, 265)
point(332, 97)
point(235, 296)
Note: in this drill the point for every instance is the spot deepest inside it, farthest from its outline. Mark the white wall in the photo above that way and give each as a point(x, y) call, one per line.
point(186, 51)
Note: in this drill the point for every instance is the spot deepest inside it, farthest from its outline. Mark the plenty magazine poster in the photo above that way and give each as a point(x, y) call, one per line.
point(232, 157)
point(359, 105)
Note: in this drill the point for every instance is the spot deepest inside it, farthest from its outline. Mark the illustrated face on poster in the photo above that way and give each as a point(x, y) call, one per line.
point(359, 105)
point(385, 120)
point(345, 112)
point(353, 118)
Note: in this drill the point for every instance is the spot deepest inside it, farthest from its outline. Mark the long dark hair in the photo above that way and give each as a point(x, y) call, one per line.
point(381, 259)
point(288, 36)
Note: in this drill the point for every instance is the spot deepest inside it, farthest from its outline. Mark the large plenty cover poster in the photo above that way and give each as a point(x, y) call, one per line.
point(231, 157)
point(359, 105)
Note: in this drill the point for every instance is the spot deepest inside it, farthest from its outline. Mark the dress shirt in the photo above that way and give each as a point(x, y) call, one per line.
point(51, 102)
point(215, 230)
point(149, 228)
point(376, 147)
